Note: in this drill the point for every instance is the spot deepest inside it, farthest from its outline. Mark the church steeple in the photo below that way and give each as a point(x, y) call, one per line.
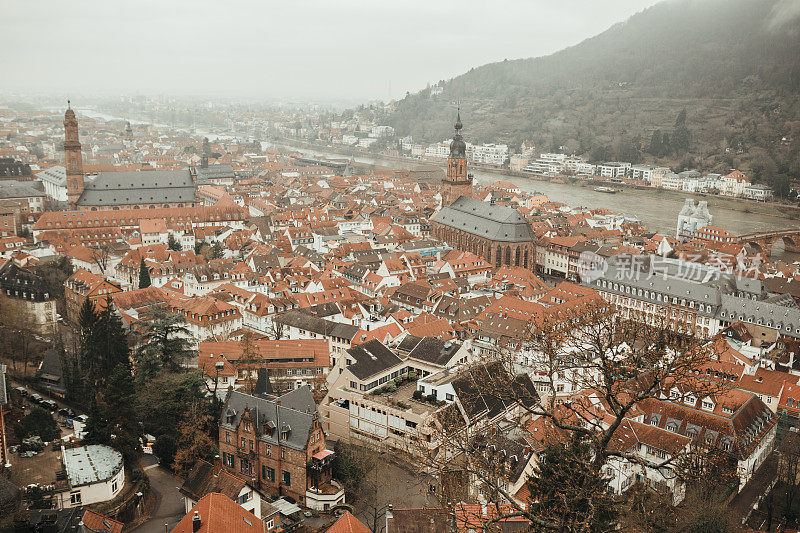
point(72, 158)
point(457, 182)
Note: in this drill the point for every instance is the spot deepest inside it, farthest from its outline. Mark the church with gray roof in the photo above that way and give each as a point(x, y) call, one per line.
point(496, 233)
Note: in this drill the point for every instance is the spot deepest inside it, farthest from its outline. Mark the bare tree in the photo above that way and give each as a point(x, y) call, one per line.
point(593, 368)
point(101, 255)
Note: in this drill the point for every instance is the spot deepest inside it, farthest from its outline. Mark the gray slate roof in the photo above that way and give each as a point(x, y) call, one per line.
point(434, 351)
point(221, 171)
point(139, 187)
point(301, 320)
point(56, 175)
point(371, 358)
point(19, 189)
point(493, 222)
point(281, 412)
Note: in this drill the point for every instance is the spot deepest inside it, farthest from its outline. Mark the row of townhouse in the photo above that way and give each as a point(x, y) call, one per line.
point(691, 298)
point(290, 364)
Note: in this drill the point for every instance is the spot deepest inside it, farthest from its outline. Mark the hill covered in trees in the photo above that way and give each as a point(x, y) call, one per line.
point(707, 84)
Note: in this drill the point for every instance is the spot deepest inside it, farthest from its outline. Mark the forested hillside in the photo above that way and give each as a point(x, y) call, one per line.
point(732, 65)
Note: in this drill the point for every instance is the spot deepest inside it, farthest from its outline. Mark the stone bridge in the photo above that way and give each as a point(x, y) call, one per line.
point(762, 242)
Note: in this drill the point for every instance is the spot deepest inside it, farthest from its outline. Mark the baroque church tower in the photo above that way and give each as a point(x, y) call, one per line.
point(72, 158)
point(457, 182)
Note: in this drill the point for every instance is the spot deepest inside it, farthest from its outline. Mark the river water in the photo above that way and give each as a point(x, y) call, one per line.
point(656, 214)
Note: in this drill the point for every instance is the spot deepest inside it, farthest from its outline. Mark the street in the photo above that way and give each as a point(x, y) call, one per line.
point(169, 502)
point(398, 486)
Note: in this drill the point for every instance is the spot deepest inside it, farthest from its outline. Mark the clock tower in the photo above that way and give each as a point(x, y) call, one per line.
point(72, 158)
point(457, 182)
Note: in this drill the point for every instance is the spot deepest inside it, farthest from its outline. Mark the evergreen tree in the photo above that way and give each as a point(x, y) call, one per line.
point(98, 429)
point(144, 275)
point(217, 251)
point(655, 149)
point(172, 243)
point(165, 339)
point(666, 146)
point(111, 341)
point(120, 397)
point(680, 133)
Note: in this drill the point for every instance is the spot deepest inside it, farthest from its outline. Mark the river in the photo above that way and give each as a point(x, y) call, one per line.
point(655, 213)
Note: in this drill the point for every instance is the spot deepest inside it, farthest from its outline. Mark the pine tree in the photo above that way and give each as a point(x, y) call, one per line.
point(165, 339)
point(120, 397)
point(111, 341)
point(172, 243)
point(656, 147)
point(97, 430)
point(217, 251)
point(680, 133)
point(144, 275)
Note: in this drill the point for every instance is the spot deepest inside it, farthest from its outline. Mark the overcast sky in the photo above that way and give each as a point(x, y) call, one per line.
point(306, 49)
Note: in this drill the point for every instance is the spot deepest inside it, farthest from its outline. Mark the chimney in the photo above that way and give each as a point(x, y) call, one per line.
point(196, 522)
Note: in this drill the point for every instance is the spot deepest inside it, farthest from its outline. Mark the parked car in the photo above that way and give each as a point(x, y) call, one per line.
point(22, 391)
point(35, 398)
point(49, 404)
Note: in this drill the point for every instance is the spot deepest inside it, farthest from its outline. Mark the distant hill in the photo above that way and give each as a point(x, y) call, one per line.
point(733, 65)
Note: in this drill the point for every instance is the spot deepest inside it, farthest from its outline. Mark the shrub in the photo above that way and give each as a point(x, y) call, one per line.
point(402, 405)
point(411, 376)
point(417, 394)
point(431, 398)
point(390, 387)
point(38, 423)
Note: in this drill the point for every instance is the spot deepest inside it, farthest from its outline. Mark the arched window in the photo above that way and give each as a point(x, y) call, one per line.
point(517, 257)
point(508, 255)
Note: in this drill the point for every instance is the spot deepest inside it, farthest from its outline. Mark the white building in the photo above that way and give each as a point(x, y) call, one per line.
point(641, 172)
point(614, 169)
point(493, 154)
point(691, 218)
point(54, 180)
point(757, 191)
point(733, 184)
point(95, 473)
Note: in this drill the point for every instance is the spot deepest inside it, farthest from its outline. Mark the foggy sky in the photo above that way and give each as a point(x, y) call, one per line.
point(303, 49)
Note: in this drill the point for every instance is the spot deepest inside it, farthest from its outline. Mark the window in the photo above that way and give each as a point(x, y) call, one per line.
point(227, 459)
point(449, 397)
point(287, 478)
point(75, 497)
point(270, 524)
point(244, 498)
point(114, 486)
point(268, 473)
point(228, 437)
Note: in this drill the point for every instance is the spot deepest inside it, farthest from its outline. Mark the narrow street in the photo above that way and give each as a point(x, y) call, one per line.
point(169, 503)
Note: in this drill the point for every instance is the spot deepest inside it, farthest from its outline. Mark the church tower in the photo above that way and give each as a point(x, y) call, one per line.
point(457, 182)
point(72, 158)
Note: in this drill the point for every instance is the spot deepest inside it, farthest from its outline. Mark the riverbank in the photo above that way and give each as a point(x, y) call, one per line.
point(771, 209)
point(779, 210)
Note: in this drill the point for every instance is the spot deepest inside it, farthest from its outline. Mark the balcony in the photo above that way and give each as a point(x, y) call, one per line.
point(325, 497)
point(320, 460)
